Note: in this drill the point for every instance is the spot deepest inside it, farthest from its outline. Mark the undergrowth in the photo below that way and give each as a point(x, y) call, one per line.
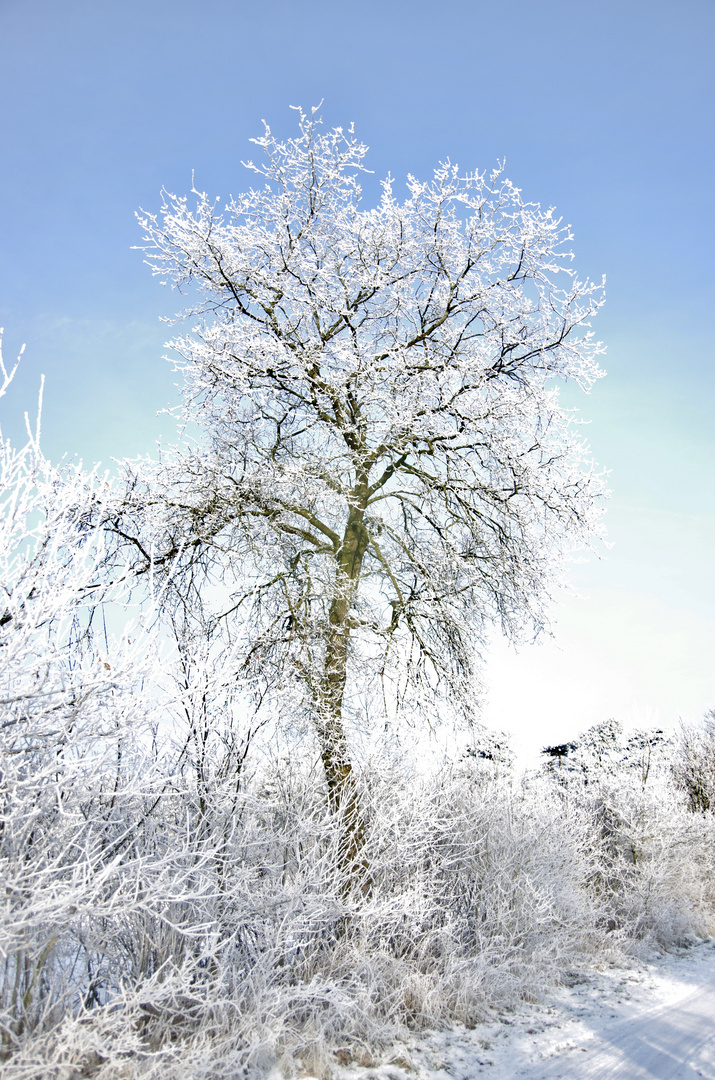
point(170, 936)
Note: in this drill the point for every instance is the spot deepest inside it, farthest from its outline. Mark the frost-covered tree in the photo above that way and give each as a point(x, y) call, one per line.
point(385, 468)
point(604, 754)
point(694, 763)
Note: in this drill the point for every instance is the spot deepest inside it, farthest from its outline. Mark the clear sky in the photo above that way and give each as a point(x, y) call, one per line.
point(603, 110)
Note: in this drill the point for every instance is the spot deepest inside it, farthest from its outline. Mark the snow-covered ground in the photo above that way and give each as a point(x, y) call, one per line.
point(652, 1020)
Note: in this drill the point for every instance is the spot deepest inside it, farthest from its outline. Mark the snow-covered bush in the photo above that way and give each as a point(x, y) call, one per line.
point(73, 776)
point(471, 901)
point(656, 859)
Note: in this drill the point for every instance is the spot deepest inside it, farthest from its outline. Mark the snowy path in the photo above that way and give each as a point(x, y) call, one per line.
point(653, 1021)
point(673, 1042)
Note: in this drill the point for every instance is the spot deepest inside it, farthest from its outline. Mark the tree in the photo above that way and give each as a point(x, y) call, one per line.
point(694, 764)
point(384, 467)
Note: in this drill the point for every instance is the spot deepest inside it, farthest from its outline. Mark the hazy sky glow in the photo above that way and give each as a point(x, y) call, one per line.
point(605, 111)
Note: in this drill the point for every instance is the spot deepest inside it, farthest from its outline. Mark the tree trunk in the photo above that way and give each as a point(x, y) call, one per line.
point(342, 791)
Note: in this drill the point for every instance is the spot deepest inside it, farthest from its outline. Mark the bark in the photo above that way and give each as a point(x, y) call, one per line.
point(342, 790)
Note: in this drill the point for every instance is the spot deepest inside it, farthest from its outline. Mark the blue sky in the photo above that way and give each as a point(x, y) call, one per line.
point(605, 111)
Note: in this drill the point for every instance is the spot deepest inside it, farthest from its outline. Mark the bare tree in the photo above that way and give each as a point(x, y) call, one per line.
point(384, 467)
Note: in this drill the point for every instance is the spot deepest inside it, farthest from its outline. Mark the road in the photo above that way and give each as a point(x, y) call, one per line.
point(672, 1042)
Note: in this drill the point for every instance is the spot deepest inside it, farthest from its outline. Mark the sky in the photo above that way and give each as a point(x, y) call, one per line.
point(604, 111)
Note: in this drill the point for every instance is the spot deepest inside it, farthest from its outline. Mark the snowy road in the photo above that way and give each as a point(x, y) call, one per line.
point(673, 1042)
point(650, 1021)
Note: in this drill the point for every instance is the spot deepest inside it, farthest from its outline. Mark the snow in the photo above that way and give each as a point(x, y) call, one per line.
point(652, 1020)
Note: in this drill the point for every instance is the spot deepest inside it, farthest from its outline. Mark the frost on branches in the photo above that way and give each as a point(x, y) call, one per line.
point(73, 709)
point(385, 467)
